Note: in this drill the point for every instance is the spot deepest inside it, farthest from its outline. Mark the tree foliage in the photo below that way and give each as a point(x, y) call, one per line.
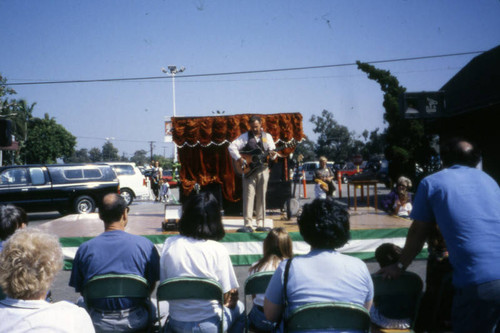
point(306, 149)
point(95, 154)
point(109, 152)
point(47, 141)
point(140, 157)
point(335, 141)
point(407, 143)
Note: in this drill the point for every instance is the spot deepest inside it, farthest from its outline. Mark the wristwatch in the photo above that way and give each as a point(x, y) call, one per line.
point(400, 265)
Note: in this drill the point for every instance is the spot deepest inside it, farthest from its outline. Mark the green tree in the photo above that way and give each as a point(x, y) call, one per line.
point(407, 143)
point(306, 149)
point(374, 144)
point(47, 141)
point(140, 157)
point(335, 141)
point(109, 152)
point(95, 154)
point(80, 156)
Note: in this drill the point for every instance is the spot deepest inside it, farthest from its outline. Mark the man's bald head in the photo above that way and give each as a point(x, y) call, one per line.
point(112, 208)
point(459, 151)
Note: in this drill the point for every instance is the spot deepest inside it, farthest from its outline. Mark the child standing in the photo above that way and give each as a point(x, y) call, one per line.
point(277, 247)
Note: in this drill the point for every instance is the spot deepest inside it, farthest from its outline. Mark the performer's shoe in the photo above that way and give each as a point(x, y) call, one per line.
point(265, 229)
point(245, 229)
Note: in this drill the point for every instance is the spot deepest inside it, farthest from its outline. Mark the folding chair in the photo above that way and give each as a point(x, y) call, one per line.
point(114, 286)
point(328, 315)
point(256, 284)
point(398, 298)
point(191, 288)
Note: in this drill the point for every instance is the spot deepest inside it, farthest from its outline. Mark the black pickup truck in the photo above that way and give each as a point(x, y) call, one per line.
point(67, 188)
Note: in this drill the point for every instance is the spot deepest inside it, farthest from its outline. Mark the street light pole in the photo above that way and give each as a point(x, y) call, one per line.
point(173, 70)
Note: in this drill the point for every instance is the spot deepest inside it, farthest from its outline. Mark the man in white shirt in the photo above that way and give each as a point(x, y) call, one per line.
point(255, 141)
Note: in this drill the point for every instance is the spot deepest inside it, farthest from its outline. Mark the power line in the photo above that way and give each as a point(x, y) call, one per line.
point(240, 72)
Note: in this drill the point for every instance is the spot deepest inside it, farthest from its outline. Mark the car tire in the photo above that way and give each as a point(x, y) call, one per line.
point(84, 205)
point(128, 195)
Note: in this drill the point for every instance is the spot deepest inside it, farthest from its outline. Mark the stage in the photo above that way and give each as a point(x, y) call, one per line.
point(369, 229)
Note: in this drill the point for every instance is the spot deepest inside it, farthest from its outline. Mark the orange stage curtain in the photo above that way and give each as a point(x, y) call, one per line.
point(203, 142)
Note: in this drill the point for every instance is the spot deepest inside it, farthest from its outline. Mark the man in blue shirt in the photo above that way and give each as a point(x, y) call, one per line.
point(116, 251)
point(465, 203)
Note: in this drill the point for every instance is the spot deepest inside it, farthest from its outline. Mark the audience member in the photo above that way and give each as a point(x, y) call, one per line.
point(11, 219)
point(387, 254)
point(322, 275)
point(116, 251)
point(463, 201)
point(29, 263)
point(277, 246)
point(196, 252)
point(398, 201)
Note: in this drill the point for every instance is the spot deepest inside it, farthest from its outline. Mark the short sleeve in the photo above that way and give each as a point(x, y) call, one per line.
point(274, 291)
point(422, 209)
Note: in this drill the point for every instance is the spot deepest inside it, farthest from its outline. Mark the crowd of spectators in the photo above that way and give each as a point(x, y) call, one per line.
point(455, 210)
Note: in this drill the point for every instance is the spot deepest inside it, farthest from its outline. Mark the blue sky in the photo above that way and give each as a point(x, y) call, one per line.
point(90, 39)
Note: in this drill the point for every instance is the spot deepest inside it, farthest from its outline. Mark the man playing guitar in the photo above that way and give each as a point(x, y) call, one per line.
point(255, 183)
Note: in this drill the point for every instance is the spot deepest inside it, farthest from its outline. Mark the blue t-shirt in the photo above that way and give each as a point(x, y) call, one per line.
point(115, 252)
point(465, 203)
point(322, 276)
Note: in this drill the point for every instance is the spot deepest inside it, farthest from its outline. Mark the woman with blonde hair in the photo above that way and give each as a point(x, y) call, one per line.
point(277, 247)
point(29, 263)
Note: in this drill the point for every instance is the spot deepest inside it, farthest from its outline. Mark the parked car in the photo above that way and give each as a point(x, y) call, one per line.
point(66, 188)
point(375, 170)
point(168, 176)
point(309, 170)
point(132, 181)
point(348, 170)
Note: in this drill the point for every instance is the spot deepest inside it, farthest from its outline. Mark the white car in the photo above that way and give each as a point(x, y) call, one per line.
point(132, 181)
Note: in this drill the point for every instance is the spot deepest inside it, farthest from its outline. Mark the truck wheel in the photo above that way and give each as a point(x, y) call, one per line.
point(127, 195)
point(84, 205)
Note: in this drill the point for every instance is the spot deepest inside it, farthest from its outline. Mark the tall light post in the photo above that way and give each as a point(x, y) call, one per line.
point(173, 70)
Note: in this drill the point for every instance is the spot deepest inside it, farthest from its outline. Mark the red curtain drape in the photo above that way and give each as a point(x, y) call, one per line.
point(203, 141)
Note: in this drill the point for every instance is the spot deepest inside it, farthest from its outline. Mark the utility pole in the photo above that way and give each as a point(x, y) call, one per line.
point(151, 146)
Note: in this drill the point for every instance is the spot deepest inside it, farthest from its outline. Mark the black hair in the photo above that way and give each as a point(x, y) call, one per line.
point(254, 118)
point(11, 218)
point(324, 224)
point(112, 208)
point(387, 254)
point(201, 218)
point(457, 150)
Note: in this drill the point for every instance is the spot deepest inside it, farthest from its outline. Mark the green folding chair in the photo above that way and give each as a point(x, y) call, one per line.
point(256, 284)
point(191, 288)
point(116, 285)
point(328, 316)
point(398, 298)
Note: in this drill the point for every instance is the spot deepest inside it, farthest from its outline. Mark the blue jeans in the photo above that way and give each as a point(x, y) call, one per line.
point(259, 321)
point(477, 308)
point(234, 321)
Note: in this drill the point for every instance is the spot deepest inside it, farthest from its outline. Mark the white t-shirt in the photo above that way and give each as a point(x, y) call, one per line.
point(404, 210)
point(17, 316)
point(268, 267)
point(186, 256)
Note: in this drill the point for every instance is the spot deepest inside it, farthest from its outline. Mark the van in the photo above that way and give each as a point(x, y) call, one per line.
point(67, 188)
point(132, 181)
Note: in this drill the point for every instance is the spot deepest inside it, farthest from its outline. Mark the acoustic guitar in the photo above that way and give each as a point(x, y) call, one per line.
point(255, 159)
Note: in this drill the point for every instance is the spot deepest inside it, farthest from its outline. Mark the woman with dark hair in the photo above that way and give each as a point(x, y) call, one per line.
point(11, 219)
point(322, 275)
point(277, 247)
point(196, 252)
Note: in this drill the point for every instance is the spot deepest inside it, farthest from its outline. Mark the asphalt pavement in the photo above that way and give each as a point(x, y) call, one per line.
point(61, 290)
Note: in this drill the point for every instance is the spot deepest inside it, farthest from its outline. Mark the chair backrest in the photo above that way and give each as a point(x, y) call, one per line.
point(115, 285)
point(329, 315)
point(256, 284)
point(191, 288)
point(398, 298)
